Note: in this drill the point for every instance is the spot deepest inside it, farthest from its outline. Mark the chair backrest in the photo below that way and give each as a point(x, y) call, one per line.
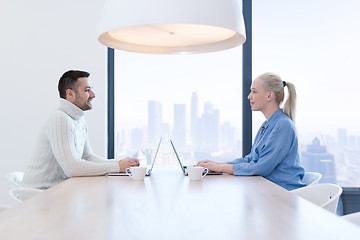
point(353, 217)
point(21, 194)
point(311, 178)
point(3, 207)
point(324, 195)
point(15, 178)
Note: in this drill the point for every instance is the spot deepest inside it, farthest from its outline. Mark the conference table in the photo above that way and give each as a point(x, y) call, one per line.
point(167, 205)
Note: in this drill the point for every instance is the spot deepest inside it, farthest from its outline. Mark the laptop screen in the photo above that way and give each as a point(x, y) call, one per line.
point(157, 150)
point(177, 156)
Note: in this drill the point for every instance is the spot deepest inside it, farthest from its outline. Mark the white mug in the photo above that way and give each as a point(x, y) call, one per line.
point(196, 173)
point(136, 173)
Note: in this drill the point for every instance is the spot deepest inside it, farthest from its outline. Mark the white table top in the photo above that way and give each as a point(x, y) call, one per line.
point(169, 206)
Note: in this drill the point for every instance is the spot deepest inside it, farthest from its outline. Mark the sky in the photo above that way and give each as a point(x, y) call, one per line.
point(171, 79)
point(313, 44)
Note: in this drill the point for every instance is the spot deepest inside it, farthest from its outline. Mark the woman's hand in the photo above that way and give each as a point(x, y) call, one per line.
point(204, 162)
point(216, 167)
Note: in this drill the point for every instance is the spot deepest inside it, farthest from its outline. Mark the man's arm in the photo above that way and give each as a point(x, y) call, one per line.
point(123, 163)
point(61, 138)
point(89, 155)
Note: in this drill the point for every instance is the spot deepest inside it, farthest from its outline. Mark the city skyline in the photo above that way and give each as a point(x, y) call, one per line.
point(188, 127)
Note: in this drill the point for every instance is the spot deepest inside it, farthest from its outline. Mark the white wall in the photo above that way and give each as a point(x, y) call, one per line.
point(39, 41)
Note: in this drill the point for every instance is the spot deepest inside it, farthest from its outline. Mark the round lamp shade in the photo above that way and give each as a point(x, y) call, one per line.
point(172, 26)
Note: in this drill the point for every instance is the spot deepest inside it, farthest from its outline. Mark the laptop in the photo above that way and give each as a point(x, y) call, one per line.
point(148, 172)
point(184, 168)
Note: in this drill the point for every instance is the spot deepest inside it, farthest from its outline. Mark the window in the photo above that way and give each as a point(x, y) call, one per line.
point(314, 44)
point(195, 100)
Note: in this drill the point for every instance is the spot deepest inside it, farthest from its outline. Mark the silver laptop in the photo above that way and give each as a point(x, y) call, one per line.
point(184, 168)
point(148, 172)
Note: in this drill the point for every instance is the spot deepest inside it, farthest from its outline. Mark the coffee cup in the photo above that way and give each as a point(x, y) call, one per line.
point(197, 173)
point(136, 173)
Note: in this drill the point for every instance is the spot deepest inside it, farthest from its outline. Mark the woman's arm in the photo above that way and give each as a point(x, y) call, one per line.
point(225, 167)
point(217, 167)
point(270, 154)
point(245, 159)
point(208, 161)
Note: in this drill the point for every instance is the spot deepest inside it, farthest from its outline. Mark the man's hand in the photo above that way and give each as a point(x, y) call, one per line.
point(128, 162)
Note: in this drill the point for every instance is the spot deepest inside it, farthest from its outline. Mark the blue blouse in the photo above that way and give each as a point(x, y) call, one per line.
point(274, 154)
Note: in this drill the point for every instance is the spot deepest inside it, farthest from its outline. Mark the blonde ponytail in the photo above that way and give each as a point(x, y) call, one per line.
point(273, 83)
point(290, 104)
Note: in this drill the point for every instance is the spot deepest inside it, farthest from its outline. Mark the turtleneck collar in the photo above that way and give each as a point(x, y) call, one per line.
point(71, 109)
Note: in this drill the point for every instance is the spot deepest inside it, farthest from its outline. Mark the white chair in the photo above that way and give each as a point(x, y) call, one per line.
point(353, 217)
point(15, 178)
point(21, 194)
point(4, 207)
point(311, 178)
point(324, 195)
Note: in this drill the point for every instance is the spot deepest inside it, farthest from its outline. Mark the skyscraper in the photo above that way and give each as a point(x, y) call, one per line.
point(137, 137)
point(342, 139)
point(179, 132)
point(352, 142)
point(317, 159)
point(194, 119)
point(210, 124)
point(227, 135)
point(154, 122)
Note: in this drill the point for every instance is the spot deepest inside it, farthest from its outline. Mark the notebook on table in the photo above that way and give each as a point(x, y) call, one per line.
point(148, 171)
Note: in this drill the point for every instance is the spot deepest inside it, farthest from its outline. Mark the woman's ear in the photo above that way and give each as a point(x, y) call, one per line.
point(270, 96)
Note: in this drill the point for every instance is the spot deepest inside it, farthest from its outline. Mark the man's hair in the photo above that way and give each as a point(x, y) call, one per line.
point(68, 81)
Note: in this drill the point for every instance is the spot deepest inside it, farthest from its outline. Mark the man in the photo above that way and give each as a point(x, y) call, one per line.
point(63, 149)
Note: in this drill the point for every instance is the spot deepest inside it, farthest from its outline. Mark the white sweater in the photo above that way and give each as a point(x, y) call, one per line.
point(63, 151)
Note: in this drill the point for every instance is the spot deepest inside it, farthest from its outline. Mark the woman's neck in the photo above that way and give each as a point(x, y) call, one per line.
point(270, 111)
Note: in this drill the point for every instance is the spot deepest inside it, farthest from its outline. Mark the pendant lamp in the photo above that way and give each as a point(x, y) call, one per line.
point(172, 26)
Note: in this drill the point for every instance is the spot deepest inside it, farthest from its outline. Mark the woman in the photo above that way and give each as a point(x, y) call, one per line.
point(274, 154)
